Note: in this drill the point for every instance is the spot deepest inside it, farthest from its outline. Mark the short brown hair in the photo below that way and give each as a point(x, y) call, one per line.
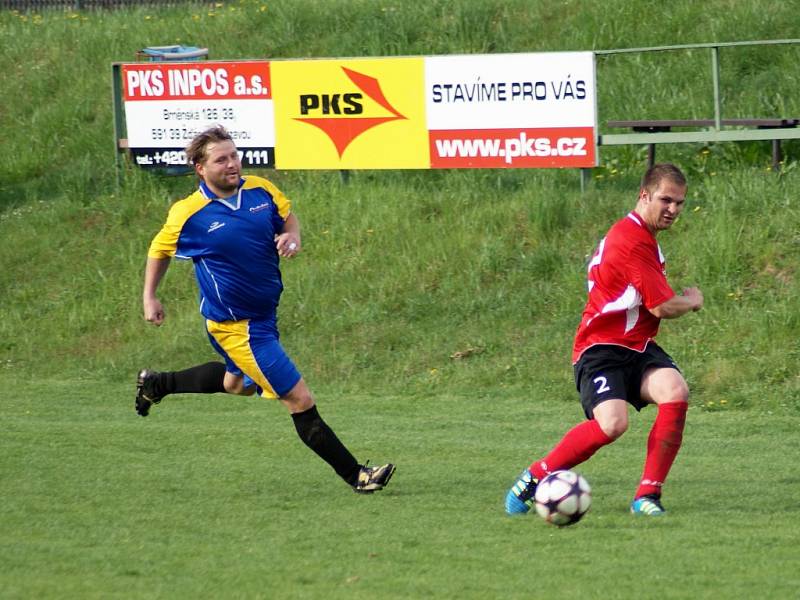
point(196, 150)
point(656, 173)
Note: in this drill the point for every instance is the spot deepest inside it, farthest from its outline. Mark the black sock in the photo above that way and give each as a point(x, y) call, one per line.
point(202, 379)
point(316, 434)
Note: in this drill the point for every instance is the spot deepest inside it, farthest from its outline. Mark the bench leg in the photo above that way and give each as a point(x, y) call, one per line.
point(776, 155)
point(586, 177)
point(651, 155)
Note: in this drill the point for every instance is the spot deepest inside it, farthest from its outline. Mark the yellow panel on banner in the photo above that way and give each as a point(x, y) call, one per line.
point(350, 114)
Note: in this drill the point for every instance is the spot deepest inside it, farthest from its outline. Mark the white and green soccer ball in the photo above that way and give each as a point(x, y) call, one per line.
point(563, 497)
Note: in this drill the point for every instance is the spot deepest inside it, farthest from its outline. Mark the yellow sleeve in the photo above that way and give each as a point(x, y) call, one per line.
point(165, 243)
point(281, 201)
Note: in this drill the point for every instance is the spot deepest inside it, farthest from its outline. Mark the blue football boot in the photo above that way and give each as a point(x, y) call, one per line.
point(648, 505)
point(519, 499)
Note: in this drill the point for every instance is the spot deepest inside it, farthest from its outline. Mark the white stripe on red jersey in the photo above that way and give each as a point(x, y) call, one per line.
point(626, 278)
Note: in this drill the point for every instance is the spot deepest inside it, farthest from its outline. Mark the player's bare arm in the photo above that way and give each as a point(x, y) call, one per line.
point(288, 241)
point(153, 273)
point(679, 305)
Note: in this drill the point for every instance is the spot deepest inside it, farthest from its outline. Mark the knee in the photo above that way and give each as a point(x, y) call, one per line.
point(235, 385)
point(613, 425)
point(682, 393)
point(678, 392)
point(299, 398)
point(664, 385)
point(298, 404)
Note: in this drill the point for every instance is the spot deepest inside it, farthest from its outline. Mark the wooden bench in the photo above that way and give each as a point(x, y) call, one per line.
point(658, 126)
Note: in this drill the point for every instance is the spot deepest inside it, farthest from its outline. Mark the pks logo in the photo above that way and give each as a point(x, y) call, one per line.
point(343, 129)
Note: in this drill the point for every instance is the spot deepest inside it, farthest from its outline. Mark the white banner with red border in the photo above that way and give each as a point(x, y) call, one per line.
point(511, 110)
point(168, 103)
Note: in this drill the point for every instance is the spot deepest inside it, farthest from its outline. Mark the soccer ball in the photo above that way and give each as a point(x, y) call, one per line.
point(563, 497)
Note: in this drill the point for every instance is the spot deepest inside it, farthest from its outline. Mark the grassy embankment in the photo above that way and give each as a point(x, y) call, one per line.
point(431, 311)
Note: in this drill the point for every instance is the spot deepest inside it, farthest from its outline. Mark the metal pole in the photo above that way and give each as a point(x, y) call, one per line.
point(776, 155)
point(715, 77)
point(120, 128)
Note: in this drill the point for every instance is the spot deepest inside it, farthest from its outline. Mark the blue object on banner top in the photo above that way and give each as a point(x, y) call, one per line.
point(159, 53)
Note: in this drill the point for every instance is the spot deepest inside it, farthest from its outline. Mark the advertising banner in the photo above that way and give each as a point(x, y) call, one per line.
point(527, 110)
point(511, 110)
point(167, 104)
point(350, 114)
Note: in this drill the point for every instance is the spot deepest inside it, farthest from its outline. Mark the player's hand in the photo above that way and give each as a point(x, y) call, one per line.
point(153, 311)
point(695, 295)
point(288, 244)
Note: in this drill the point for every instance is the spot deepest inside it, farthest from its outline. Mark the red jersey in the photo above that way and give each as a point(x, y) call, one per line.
point(627, 277)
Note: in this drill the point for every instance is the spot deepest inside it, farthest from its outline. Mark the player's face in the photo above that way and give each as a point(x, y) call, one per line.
point(663, 205)
point(222, 169)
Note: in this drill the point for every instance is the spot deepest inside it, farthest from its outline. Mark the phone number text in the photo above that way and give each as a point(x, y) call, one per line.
point(176, 157)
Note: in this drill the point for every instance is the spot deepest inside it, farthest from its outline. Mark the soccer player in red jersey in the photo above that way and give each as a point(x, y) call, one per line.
point(615, 357)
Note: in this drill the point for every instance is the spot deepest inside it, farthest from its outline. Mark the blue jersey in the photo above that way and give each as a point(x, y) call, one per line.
point(231, 241)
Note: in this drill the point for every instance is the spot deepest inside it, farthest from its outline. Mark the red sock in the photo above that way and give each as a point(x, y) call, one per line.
point(662, 446)
point(577, 445)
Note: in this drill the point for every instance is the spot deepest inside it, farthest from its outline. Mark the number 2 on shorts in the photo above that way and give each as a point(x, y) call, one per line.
point(602, 385)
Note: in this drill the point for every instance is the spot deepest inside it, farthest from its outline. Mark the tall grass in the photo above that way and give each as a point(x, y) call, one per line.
point(411, 281)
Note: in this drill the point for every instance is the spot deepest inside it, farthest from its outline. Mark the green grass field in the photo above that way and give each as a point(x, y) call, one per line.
point(215, 497)
point(431, 312)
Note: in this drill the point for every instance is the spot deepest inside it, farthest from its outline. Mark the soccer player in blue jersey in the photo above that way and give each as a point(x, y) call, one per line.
point(235, 229)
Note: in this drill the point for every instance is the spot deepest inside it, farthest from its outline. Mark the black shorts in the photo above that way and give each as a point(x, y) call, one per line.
point(606, 372)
